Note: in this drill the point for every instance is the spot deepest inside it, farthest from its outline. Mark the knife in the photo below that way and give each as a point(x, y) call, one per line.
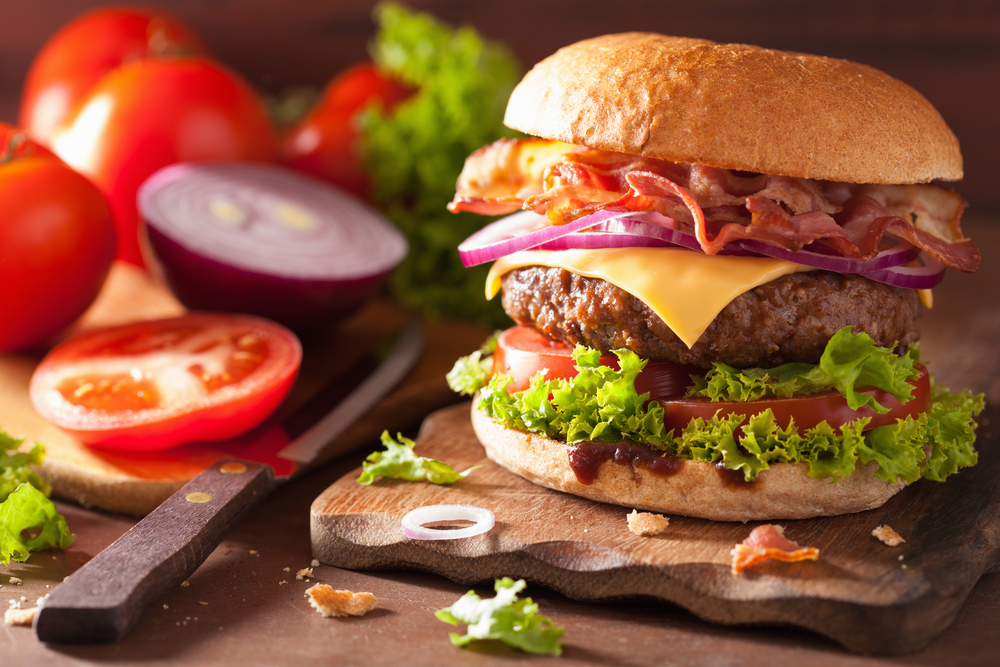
point(103, 600)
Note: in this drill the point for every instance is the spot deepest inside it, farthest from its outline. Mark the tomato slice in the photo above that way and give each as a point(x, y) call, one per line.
point(522, 352)
point(151, 385)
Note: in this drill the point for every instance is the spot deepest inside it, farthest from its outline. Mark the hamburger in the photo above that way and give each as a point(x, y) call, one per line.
point(715, 257)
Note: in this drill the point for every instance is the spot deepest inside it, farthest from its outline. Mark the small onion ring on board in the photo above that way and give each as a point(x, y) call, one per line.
point(413, 522)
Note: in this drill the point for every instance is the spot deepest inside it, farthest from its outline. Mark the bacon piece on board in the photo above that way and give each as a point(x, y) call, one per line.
point(768, 542)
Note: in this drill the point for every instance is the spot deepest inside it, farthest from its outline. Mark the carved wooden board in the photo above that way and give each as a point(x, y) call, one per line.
point(869, 597)
point(137, 483)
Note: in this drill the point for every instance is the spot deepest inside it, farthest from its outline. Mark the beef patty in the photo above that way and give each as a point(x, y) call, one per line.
point(788, 319)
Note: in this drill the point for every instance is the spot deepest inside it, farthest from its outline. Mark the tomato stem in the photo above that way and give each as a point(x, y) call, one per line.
point(14, 141)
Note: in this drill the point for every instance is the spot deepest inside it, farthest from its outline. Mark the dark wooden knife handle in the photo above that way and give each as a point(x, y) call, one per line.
point(101, 601)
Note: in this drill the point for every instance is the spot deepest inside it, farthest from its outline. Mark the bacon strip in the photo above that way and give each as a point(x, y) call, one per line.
point(566, 182)
point(768, 542)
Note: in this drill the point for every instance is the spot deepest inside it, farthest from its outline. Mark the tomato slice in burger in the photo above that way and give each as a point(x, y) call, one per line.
point(151, 385)
point(522, 352)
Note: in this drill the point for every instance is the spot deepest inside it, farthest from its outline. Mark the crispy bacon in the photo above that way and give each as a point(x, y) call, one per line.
point(566, 182)
point(768, 542)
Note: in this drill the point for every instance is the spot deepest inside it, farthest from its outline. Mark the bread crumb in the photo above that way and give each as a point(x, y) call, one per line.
point(185, 584)
point(329, 602)
point(166, 606)
point(16, 581)
point(19, 616)
point(888, 536)
point(314, 563)
point(646, 523)
point(286, 569)
point(303, 573)
point(202, 603)
point(282, 582)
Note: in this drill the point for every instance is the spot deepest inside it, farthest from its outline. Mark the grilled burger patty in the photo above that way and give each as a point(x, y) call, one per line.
point(788, 319)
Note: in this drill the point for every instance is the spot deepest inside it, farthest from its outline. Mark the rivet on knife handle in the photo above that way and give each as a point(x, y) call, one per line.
point(102, 600)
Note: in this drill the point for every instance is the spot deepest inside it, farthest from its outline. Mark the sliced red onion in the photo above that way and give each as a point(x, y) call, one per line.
point(632, 232)
point(265, 240)
point(414, 522)
point(521, 231)
point(911, 277)
point(901, 253)
point(526, 230)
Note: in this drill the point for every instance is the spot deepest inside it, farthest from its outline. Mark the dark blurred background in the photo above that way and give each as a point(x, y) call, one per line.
point(949, 51)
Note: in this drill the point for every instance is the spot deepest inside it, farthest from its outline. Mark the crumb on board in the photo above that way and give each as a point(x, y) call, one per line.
point(19, 616)
point(330, 602)
point(16, 581)
point(304, 573)
point(185, 584)
point(647, 523)
point(888, 536)
point(283, 582)
point(202, 603)
point(286, 569)
point(314, 563)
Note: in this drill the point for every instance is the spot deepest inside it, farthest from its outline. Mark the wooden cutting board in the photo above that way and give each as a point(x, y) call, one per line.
point(137, 483)
point(869, 597)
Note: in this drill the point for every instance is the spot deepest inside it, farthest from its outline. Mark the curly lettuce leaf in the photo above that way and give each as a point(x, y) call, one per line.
point(507, 618)
point(399, 462)
point(601, 404)
point(27, 510)
point(471, 373)
point(851, 362)
point(414, 154)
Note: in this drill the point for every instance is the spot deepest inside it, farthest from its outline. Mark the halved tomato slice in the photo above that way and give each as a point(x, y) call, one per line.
point(522, 352)
point(150, 385)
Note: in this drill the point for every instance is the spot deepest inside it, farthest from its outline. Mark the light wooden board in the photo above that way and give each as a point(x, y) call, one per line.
point(137, 483)
point(859, 593)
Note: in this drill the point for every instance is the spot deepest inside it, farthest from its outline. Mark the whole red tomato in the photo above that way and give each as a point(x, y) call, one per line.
point(150, 113)
point(76, 57)
point(56, 242)
point(326, 143)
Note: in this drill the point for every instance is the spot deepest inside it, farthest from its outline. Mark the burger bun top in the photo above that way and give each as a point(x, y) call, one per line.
point(736, 106)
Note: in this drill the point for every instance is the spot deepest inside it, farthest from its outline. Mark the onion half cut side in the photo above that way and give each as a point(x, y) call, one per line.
point(264, 240)
point(414, 523)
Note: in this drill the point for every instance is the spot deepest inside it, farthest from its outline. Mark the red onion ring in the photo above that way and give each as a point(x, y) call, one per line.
point(911, 277)
point(526, 230)
point(521, 231)
point(413, 522)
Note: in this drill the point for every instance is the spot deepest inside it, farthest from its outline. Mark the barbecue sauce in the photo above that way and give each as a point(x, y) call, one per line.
point(586, 457)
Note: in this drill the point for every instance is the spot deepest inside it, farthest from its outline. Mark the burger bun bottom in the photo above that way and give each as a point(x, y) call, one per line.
point(784, 491)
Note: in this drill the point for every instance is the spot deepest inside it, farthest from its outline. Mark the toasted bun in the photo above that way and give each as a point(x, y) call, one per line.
point(738, 107)
point(785, 491)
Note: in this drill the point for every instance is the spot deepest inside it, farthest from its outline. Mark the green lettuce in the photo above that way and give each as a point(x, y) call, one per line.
point(601, 404)
point(399, 462)
point(850, 362)
point(471, 373)
point(414, 154)
point(27, 510)
point(506, 618)
point(29, 521)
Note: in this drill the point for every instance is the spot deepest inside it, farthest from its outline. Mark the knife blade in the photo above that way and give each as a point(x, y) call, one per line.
point(102, 601)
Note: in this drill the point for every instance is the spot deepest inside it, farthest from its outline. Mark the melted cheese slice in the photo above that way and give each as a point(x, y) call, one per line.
point(686, 289)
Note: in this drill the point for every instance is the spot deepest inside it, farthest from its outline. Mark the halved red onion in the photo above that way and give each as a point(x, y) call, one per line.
point(265, 240)
point(414, 523)
point(521, 231)
point(911, 277)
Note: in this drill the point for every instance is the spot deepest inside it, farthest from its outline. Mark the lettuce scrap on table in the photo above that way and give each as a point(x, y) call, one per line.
point(414, 154)
point(601, 404)
point(507, 618)
point(399, 462)
point(29, 521)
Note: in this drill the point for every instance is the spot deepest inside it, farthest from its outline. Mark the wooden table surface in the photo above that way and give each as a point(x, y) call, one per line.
point(243, 606)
